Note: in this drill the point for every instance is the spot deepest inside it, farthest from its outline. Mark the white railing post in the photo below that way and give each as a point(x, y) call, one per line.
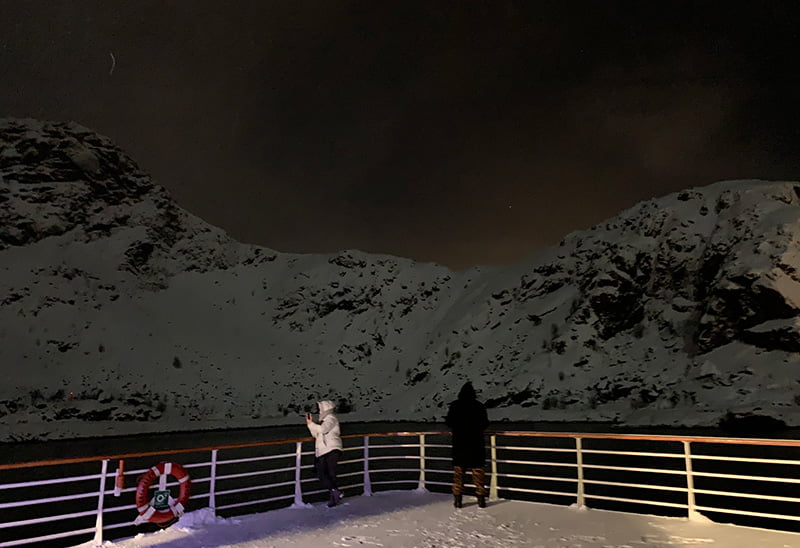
point(687, 453)
point(212, 489)
point(493, 481)
point(98, 525)
point(421, 485)
point(579, 460)
point(298, 488)
point(367, 484)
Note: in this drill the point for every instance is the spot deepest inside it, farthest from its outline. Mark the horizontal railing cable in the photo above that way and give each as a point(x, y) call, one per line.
point(630, 453)
point(53, 481)
point(636, 469)
point(746, 495)
point(745, 459)
point(639, 486)
point(748, 513)
point(745, 477)
point(638, 501)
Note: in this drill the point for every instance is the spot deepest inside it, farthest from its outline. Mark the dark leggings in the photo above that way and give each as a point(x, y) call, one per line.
point(326, 468)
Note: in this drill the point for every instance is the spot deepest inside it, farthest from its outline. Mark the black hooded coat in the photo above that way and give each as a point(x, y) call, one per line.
point(467, 420)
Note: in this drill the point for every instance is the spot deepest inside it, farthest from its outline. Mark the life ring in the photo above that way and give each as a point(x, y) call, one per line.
point(175, 508)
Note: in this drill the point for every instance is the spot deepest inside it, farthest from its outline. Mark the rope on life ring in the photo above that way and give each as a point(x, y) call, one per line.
point(146, 506)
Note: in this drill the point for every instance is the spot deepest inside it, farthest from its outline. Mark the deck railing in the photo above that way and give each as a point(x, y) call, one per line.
point(63, 502)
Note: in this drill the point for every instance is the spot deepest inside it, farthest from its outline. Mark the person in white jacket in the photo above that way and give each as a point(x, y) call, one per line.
point(327, 448)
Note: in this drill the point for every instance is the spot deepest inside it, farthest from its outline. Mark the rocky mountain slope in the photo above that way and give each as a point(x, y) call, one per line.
point(120, 312)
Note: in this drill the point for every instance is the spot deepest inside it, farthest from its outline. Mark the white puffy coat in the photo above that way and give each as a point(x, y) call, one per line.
point(326, 433)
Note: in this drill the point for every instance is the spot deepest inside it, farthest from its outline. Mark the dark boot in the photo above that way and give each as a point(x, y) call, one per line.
point(334, 500)
point(457, 501)
point(481, 501)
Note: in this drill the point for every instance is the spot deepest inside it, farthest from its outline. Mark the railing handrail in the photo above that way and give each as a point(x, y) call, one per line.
point(518, 433)
point(650, 437)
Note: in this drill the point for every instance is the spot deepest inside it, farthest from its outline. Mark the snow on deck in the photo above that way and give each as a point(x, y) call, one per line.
point(420, 519)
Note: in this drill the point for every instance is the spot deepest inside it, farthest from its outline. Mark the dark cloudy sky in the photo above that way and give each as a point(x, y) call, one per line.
point(457, 132)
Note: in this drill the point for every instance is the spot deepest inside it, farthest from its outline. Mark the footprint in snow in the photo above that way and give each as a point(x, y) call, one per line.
point(352, 540)
point(589, 538)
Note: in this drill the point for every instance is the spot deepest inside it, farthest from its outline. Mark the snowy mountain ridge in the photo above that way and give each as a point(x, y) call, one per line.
point(122, 313)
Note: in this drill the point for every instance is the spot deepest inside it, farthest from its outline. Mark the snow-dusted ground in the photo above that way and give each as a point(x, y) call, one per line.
point(420, 519)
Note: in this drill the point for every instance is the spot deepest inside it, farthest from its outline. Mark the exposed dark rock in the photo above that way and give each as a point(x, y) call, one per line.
point(679, 304)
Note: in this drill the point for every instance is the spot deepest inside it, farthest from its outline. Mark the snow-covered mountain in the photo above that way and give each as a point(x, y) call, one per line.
point(120, 312)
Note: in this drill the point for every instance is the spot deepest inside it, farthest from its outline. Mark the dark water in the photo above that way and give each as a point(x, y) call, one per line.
point(109, 445)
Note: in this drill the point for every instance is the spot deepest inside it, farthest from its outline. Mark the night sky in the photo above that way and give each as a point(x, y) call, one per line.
point(456, 132)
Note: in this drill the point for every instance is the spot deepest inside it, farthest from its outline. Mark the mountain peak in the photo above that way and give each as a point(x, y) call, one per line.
point(64, 180)
point(682, 310)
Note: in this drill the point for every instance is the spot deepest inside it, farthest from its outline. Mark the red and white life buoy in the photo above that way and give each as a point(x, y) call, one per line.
point(147, 506)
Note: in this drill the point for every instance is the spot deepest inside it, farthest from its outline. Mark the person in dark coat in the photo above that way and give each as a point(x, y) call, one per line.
point(467, 420)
